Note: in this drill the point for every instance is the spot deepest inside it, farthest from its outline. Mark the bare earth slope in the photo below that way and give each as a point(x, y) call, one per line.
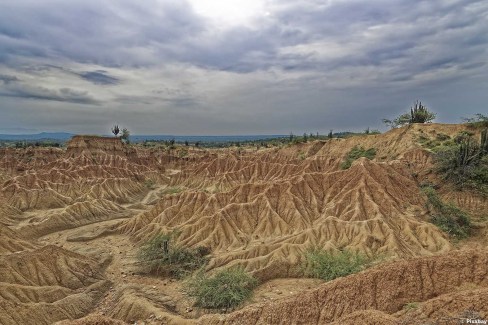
point(71, 222)
point(387, 289)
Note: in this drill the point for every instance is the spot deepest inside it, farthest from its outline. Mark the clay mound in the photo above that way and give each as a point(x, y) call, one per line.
point(93, 145)
point(58, 187)
point(371, 207)
point(92, 320)
point(47, 285)
point(367, 317)
point(91, 168)
point(142, 303)
point(11, 241)
point(15, 161)
point(75, 215)
point(386, 288)
point(49, 266)
point(457, 307)
point(223, 172)
point(8, 214)
point(229, 169)
point(474, 203)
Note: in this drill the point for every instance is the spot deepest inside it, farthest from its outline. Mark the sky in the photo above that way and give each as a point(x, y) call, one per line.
point(223, 67)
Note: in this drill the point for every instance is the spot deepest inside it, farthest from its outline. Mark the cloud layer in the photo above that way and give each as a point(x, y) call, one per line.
point(164, 67)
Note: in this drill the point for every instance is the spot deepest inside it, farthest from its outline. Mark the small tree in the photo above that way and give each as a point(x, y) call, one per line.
point(116, 130)
point(330, 135)
point(125, 135)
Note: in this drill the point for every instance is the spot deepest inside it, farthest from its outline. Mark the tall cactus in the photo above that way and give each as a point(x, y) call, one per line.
point(484, 143)
point(420, 114)
point(470, 152)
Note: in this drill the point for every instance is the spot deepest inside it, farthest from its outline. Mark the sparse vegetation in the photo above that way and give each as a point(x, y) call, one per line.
point(465, 163)
point(448, 217)
point(226, 289)
point(162, 256)
point(125, 136)
point(411, 305)
point(172, 190)
point(478, 121)
point(149, 183)
point(356, 153)
point(329, 266)
point(418, 114)
point(438, 143)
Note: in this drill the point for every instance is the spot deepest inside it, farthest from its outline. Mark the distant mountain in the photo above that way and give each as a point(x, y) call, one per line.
point(57, 136)
point(64, 136)
point(203, 138)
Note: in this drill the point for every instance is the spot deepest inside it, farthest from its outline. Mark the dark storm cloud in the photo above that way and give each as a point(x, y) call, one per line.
point(109, 34)
point(99, 77)
point(58, 95)
point(6, 79)
point(150, 32)
point(305, 65)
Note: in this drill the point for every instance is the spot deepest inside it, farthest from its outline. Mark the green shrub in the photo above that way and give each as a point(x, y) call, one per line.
point(161, 255)
point(358, 152)
point(465, 164)
point(478, 121)
point(226, 289)
point(328, 266)
point(448, 217)
point(442, 137)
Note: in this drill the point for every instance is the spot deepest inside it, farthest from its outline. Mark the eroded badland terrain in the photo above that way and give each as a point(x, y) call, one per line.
point(72, 221)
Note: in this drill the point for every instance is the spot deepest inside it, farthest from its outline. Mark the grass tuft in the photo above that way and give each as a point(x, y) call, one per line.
point(226, 289)
point(356, 153)
point(448, 217)
point(329, 266)
point(162, 256)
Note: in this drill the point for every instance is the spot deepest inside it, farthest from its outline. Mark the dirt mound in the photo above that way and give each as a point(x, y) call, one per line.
point(11, 241)
point(143, 303)
point(13, 161)
point(92, 320)
point(386, 288)
point(95, 145)
point(48, 284)
point(76, 215)
point(260, 209)
point(375, 208)
point(367, 317)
